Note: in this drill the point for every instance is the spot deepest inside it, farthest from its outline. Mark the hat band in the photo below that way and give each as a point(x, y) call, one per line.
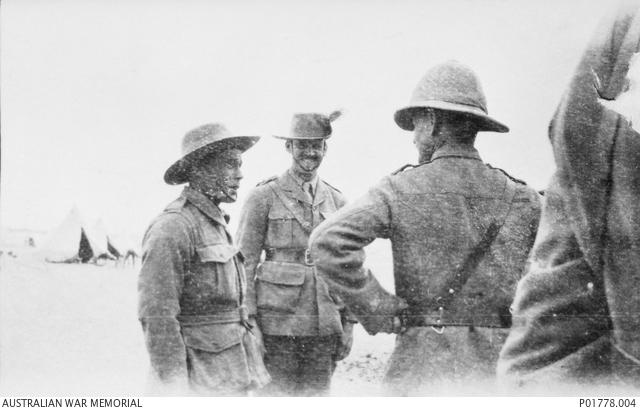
point(449, 106)
point(302, 137)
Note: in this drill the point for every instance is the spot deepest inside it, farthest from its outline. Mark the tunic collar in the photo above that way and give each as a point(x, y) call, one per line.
point(456, 151)
point(205, 205)
point(300, 182)
point(290, 184)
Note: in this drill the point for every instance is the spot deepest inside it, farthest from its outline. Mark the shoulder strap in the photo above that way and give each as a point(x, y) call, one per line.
point(476, 254)
point(402, 168)
point(331, 186)
point(332, 195)
point(275, 187)
point(266, 181)
point(514, 179)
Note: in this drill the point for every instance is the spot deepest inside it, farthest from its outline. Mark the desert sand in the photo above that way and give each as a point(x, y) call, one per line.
point(72, 329)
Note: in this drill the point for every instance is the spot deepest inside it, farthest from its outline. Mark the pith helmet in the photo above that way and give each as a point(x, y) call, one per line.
point(203, 141)
point(309, 126)
point(449, 86)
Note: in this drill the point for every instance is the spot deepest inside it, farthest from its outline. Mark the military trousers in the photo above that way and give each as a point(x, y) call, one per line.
point(299, 365)
point(430, 361)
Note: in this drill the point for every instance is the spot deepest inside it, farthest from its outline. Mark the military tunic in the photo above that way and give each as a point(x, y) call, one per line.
point(435, 215)
point(191, 293)
point(295, 310)
point(576, 311)
point(288, 297)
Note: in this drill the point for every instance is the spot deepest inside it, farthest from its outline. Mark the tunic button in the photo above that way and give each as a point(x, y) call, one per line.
point(451, 291)
point(590, 286)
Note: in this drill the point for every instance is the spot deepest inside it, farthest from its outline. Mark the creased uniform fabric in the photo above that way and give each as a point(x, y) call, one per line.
point(577, 310)
point(191, 292)
point(434, 214)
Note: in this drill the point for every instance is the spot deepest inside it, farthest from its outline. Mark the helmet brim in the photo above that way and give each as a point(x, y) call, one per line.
point(404, 116)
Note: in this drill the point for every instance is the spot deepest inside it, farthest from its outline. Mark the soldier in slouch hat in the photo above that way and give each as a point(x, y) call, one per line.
point(306, 329)
point(192, 285)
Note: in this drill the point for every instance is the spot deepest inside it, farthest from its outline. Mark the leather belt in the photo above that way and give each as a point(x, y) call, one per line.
point(413, 320)
point(291, 255)
point(438, 321)
point(238, 315)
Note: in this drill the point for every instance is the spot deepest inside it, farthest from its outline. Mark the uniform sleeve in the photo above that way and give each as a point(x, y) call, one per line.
point(345, 313)
point(576, 292)
point(252, 231)
point(165, 252)
point(560, 318)
point(337, 248)
point(583, 131)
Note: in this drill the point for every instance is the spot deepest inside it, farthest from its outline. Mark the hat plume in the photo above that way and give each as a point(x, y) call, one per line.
point(335, 115)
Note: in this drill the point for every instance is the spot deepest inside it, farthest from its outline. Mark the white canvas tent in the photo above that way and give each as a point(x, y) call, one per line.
point(73, 241)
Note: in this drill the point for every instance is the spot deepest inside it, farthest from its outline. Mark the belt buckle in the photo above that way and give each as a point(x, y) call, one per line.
point(307, 257)
point(437, 328)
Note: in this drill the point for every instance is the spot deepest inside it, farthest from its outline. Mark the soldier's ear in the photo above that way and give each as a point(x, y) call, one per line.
point(436, 123)
point(287, 145)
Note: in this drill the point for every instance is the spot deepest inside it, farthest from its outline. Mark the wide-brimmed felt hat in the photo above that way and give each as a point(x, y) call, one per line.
point(311, 126)
point(449, 86)
point(201, 142)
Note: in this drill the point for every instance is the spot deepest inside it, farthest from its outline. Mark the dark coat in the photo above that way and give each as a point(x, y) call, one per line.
point(191, 292)
point(576, 311)
point(286, 294)
point(434, 214)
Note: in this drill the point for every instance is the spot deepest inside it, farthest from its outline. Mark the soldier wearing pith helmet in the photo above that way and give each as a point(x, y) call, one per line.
point(192, 284)
point(306, 329)
point(460, 233)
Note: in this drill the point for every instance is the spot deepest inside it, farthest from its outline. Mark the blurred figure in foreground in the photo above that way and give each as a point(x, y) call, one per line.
point(577, 310)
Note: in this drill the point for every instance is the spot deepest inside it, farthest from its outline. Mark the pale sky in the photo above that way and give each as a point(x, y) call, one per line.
point(96, 95)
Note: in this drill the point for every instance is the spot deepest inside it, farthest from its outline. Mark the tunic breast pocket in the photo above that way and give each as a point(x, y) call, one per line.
point(279, 285)
point(218, 271)
point(280, 230)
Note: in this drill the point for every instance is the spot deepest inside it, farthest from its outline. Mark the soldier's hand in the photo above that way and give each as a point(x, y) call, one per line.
point(398, 327)
point(345, 342)
point(394, 325)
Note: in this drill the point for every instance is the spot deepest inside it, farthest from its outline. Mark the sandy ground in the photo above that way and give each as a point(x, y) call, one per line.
point(72, 330)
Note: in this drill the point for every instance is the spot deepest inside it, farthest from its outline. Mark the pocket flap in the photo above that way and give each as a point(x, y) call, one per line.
point(220, 252)
point(282, 273)
point(211, 338)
